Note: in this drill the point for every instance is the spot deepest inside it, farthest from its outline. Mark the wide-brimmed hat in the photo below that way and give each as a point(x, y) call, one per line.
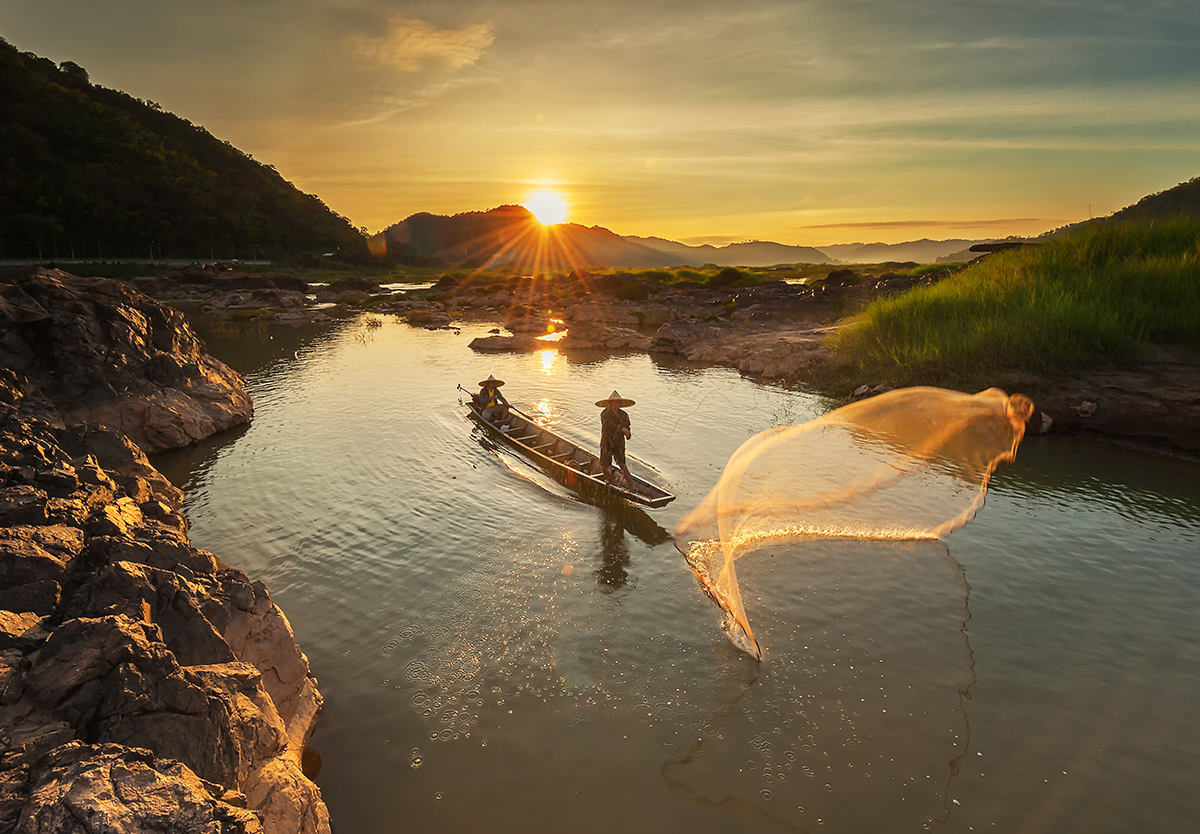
point(614, 397)
point(491, 382)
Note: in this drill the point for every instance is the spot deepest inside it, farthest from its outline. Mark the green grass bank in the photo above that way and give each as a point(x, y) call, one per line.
point(1107, 293)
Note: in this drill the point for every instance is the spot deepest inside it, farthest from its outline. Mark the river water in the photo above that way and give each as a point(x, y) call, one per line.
point(496, 655)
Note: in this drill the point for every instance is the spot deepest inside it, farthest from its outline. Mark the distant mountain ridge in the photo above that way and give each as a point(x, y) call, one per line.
point(749, 253)
point(88, 171)
point(922, 251)
point(510, 236)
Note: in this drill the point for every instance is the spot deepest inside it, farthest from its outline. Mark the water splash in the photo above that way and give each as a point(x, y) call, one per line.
point(907, 464)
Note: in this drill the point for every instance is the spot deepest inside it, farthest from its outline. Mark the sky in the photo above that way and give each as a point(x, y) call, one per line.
point(706, 121)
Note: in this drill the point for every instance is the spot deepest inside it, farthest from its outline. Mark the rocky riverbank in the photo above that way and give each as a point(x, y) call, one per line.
point(91, 350)
point(779, 332)
point(144, 684)
point(775, 331)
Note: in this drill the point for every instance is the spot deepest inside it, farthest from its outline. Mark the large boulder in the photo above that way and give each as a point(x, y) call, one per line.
point(81, 788)
point(104, 353)
point(507, 344)
point(112, 679)
point(533, 325)
point(683, 336)
point(605, 313)
point(596, 336)
point(126, 650)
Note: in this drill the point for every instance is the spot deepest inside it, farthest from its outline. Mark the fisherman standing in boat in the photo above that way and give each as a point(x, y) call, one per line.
point(614, 431)
point(491, 402)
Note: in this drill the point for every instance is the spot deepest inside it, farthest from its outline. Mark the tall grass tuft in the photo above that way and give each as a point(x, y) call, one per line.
point(1103, 294)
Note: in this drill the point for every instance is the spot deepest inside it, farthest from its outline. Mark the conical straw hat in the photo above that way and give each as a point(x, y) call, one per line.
point(615, 398)
point(491, 382)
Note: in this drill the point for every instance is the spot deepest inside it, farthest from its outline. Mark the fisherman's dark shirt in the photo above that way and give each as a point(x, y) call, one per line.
point(611, 436)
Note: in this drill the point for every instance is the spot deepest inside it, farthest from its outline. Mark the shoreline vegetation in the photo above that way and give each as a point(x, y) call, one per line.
point(1116, 293)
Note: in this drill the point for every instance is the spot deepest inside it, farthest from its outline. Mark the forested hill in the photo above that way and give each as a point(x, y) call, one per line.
point(1183, 199)
point(89, 171)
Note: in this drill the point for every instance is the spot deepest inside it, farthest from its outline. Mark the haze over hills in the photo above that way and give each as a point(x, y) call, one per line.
point(923, 251)
point(749, 253)
point(89, 171)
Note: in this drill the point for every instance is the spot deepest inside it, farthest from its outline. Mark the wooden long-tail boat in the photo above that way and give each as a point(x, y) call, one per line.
point(567, 462)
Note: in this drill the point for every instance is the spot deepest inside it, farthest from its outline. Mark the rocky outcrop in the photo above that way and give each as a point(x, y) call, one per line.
point(503, 344)
point(1156, 403)
point(95, 351)
point(206, 279)
point(529, 325)
point(109, 788)
point(144, 684)
point(755, 350)
point(596, 336)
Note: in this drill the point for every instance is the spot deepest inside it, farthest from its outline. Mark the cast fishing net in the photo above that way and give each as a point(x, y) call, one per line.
point(908, 464)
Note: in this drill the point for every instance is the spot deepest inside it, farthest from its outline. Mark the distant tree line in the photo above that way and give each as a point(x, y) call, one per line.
point(87, 171)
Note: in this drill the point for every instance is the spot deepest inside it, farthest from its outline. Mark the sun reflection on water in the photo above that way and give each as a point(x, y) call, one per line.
point(544, 412)
point(549, 359)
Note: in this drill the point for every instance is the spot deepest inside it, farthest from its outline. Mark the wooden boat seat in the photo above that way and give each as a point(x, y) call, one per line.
point(526, 438)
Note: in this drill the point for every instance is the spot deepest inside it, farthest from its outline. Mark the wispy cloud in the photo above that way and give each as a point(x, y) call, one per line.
point(411, 45)
point(382, 107)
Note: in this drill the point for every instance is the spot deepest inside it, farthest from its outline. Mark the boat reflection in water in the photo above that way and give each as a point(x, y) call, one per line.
point(617, 519)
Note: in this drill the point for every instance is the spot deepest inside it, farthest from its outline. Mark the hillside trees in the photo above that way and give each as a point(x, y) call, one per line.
point(96, 171)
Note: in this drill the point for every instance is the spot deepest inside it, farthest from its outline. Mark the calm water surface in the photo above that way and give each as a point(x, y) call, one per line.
point(496, 655)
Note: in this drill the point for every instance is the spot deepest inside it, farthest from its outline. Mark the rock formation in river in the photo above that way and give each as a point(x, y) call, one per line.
point(129, 657)
point(93, 350)
point(144, 684)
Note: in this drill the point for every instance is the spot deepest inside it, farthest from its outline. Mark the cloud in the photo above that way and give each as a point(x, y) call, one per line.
point(384, 107)
point(410, 45)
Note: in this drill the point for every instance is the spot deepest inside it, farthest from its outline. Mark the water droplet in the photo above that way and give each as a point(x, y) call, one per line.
point(437, 795)
point(800, 809)
point(416, 762)
point(766, 794)
point(828, 786)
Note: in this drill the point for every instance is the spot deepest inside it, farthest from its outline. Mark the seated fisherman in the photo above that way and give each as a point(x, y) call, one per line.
point(490, 401)
point(614, 431)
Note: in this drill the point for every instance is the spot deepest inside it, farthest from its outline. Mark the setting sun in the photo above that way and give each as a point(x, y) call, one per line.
point(547, 206)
